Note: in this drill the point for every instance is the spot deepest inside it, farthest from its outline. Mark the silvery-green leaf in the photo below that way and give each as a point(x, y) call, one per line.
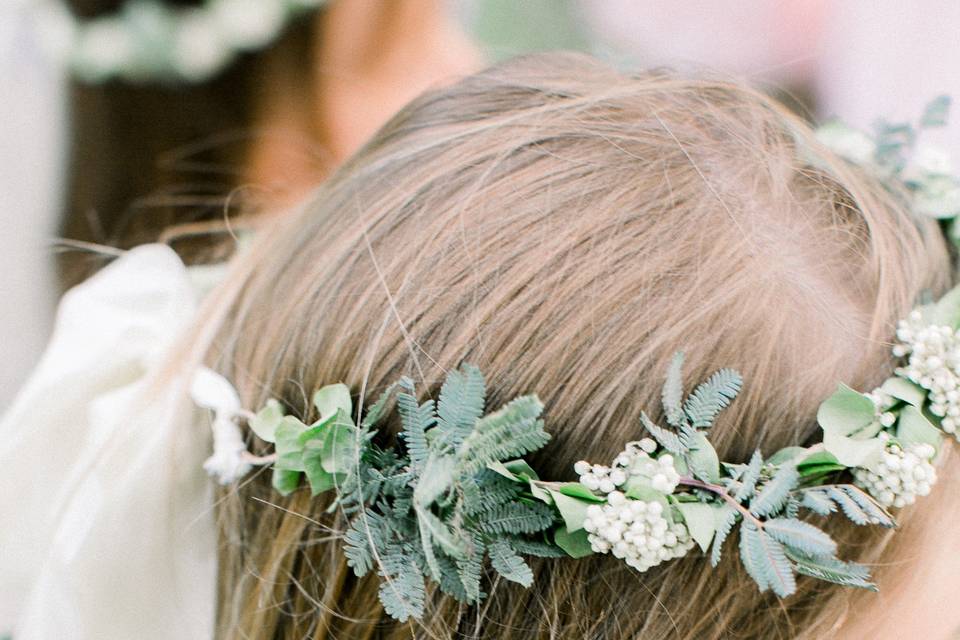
point(846, 412)
point(508, 564)
point(946, 311)
point(265, 423)
point(700, 520)
point(785, 455)
point(818, 502)
point(441, 533)
point(435, 479)
point(800, 535)
point(912, 427)
point(773, 494)
point(331, 398)
point(572, 510)
point(853, 453)
point(575, 544)
point(672, 394)
point(766, 561)
point(703, 458)
point(904, 390)
point(849, 143)
point(724, 519)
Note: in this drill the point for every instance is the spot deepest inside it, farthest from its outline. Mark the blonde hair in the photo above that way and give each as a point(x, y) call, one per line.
point(567, 228)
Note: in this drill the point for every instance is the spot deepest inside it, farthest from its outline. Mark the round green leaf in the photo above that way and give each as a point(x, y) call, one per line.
point(332, 397)
point(265, 423)
point(912, 426)
point(700, 520)
point(572, 510)
point(575, 544)
point(846, 412)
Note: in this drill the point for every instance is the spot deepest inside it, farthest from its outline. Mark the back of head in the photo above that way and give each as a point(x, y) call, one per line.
point(567, 228)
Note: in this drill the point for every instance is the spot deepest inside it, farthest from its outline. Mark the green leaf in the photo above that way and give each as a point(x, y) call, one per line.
point(846, 412)
point(288, 445)
point(853, 453)
point(441, 533)
point(666, 439)
point(766, 561)
point(848, 574)
point(786, 455)
point(724, 519)
point(462, 398)
point(320, 479)
point(904, 390)
point(946, 311)
point(800, 535)
point(340, 443)
point(703, 459)
point(818, 463)
point(700, 519)
point(912, 427)
point(572, 510)
point(435, 480)
point(774, 492)
point(748, 481)
point(672, 394)
point(637, 489)
point(508, 564)
point(517, 517)
point(331, 398)
point(818, 502)
point(514, 430)
point(285, 482)
point(577, 490)
point(521, 470)
point(859, 507)
point(575, 544)
point(417, 419)
point(265, 423)
point(712, 397)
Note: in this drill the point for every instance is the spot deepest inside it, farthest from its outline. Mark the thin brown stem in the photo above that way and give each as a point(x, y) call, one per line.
point(722, 492)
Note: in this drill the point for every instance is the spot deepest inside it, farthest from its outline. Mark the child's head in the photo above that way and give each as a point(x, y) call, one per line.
point(567, 228)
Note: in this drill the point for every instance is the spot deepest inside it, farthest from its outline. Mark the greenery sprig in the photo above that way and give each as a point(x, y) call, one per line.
point(454, 495)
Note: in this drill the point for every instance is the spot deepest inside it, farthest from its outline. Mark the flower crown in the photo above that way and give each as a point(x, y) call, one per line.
point(455, 492)
point(147, 41)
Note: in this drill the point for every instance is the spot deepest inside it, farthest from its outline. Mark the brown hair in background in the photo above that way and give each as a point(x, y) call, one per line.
point(145, 158)
point(567, 228)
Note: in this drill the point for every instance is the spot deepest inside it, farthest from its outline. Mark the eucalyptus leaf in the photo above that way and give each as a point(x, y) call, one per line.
point(572, 510)
point(914, 427)
point(575, 544)
point(521, 470)
point(703, 458)
point(946, 311)
point(319, 478)
point(331, 398)
point(288, 445)
point(700, 519)
point(846, 412)
point(904, 390)
point(577, 490)
point(265, 423)
point(818, 463)
point(785, 455)
point(853, 453)
point(340, 444)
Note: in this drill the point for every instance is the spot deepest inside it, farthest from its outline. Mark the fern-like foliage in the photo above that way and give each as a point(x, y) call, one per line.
point(712, 397)
point(434, 510)
point(672, 394)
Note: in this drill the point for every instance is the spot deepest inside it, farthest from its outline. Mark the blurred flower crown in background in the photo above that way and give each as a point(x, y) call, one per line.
point(149, 42)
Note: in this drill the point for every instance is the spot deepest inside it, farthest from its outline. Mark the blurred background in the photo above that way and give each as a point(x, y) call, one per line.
point(76, 160)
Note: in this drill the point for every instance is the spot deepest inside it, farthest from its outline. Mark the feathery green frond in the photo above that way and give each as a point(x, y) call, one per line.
point(711, 397)
point(416, 419)
point(402, 591)
point(672, 394)
point(535, 548)
point(800, 535)
point(462, 398)
point(748, 481)
point(773, 495)
point(508, 564)
point(858, 506)
point(818, 502)
point(666, 439)
point(766, 561)
point(848, 574)
point(727, 518)
point(510, 432)
point(517, 517)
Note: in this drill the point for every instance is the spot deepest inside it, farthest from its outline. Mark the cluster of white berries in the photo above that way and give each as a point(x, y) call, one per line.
point(634, 461)
point(901, 475)
point(637, 531)
point(934, 364)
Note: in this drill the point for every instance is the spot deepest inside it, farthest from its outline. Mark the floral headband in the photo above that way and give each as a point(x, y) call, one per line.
point(455, 493)
point(148, 41)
